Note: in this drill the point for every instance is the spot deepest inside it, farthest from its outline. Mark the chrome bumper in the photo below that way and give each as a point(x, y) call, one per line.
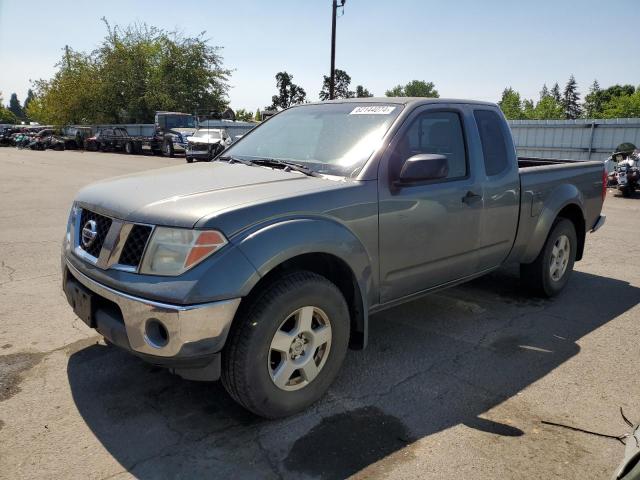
point(599, 223)
point(184, 324)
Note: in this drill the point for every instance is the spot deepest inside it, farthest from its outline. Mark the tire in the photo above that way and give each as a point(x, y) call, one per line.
point(189, 159)
point(541, 277)
point(129, 148)
point(627, 191)
point(167, 148)
point(250, 363)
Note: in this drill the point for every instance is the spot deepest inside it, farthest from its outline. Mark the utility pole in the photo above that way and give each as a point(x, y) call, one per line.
point(332, 78)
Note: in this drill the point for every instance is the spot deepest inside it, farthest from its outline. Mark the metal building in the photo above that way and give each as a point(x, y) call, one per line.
point(581, 139)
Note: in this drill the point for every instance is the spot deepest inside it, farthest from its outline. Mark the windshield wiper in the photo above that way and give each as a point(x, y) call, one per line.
point(232, 159)
point(285, 165)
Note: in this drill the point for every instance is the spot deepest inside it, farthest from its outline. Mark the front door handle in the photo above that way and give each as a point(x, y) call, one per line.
point(470, 197)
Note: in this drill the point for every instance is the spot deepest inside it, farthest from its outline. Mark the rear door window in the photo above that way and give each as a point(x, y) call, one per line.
point(494, 143)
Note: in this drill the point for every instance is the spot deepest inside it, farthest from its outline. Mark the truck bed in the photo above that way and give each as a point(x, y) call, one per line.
point(542, 183)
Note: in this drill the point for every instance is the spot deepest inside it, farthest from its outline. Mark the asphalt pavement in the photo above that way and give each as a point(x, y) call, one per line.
point(455, 385)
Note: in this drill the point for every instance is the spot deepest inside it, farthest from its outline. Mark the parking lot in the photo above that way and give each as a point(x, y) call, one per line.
point(455, 385)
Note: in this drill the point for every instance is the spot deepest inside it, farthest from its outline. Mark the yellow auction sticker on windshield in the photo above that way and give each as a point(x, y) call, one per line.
point(373, 110)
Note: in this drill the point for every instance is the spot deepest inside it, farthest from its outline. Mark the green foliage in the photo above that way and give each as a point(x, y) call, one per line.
point(555, 93)
point(528, 109)
point(511, 104)
point(288, 92)
point(362, 92)
point(135, 71)
point(593, 101)
point(571, 100)
point(623, 106)
point(6, 116)
point(243, 115)
point(604, 103)
point(258, 116)
point(548, 108)
point(544, 92)
point(415, 88)
point(14, 106)
point(27, 100)
point(340, 88)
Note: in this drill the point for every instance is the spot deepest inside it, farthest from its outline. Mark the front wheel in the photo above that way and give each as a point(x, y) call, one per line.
point(167, 148)
point(550, 271)
point(287, 345)
point(189, 159)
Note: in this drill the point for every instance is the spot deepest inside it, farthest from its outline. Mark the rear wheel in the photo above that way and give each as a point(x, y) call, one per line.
point(287, 345)
point(550, 271)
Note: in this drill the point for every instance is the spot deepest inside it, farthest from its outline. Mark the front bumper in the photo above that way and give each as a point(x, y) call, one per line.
point(191, 336)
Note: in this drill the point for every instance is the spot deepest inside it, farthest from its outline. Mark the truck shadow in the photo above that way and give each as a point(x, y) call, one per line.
point(432, 364)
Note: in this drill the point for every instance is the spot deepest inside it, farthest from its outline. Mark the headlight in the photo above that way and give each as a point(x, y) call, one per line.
point(70, 222)
point(172, 251)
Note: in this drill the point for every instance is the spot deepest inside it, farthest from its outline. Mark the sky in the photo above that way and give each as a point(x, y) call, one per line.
point(468, 48)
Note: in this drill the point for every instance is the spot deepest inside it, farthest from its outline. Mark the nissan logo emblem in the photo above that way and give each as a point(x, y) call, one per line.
point(89, 233)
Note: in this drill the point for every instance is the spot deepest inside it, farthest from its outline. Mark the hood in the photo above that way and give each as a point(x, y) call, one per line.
point(206, 140)
point(180, 196)
point(185, 132)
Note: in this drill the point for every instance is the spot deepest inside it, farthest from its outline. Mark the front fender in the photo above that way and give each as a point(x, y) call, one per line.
point(534, 230)
point(271, 245)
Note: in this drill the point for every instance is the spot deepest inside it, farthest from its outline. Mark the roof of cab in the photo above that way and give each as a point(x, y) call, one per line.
point(406, 100)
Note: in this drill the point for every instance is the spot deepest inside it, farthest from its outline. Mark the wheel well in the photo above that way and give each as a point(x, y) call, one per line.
point(337, 272)
point(573, 213)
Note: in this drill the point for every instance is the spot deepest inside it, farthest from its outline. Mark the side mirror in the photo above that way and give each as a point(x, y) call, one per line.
point(424, 166)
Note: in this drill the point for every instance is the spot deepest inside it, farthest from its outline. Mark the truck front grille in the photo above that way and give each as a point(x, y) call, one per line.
point(134, 246)
point(103, 224)
point(131, 251)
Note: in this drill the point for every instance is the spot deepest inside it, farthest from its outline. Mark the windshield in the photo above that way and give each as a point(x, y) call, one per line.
point(211, 134)
point(180, 121)
point(335, 139)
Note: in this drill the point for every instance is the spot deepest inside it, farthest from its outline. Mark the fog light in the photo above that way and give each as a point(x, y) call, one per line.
point(155, 333)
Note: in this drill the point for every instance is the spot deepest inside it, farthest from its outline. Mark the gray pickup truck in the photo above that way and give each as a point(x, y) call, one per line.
point(263, 267)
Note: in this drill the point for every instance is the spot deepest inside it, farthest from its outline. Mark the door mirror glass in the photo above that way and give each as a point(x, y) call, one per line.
point(424, 166)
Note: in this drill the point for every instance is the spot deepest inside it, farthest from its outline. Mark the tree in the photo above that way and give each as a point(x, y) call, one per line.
point(135, 71)
point(555, 92)
point(544, 92)
point(548, 109)
point(288, 92)
point(340, 88)
point(6, 115)
point(258, 116)
point(362, 92)
point(14, 106)
point(593, 104)
point(27, 100)
point(623, 106)
point(243, 115)
point(571, 100)
point(415, 88)
point(511, 104)
point(528, 109)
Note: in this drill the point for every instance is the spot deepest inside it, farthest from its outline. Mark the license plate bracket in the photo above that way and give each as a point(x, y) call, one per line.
point(81, 300)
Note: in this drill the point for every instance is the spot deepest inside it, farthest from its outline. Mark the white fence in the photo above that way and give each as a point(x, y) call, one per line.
point(581, 139)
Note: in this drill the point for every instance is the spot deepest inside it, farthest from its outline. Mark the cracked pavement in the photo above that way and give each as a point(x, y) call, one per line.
point(452, 386)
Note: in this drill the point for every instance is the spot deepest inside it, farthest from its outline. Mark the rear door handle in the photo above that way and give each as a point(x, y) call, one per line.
point(471, 197)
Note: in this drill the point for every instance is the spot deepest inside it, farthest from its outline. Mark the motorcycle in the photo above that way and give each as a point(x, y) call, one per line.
point(626, 173)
